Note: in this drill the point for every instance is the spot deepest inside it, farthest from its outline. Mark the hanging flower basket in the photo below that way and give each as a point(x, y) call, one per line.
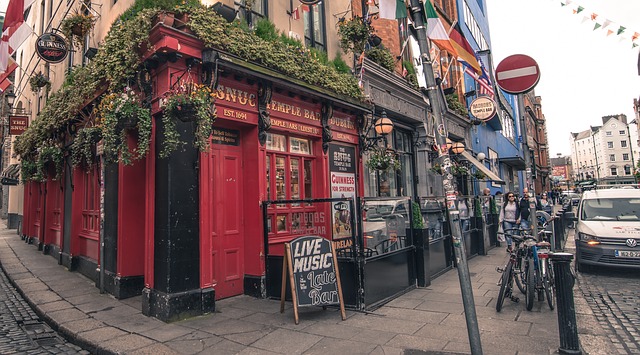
point(187, 102)
point(77, 25)
point(383, 159)
point(38, 81)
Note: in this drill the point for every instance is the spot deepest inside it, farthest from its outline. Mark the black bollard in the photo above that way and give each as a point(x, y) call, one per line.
point(567, 325)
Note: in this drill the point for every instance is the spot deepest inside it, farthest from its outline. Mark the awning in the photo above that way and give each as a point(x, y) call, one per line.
point(490, 174)
point(10, 175)
point(516, 162)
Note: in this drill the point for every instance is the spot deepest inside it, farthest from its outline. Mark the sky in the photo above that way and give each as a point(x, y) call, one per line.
point(585, 74)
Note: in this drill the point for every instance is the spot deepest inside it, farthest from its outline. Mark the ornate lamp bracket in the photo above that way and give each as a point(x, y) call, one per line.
point(264, 120)
point(327, 135)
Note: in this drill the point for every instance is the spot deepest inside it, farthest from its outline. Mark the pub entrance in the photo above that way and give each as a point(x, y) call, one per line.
point(223, 223)
point(376, 257)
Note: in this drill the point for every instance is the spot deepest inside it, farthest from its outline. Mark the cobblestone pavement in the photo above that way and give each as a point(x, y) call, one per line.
point(614, 297)
point(22, 331)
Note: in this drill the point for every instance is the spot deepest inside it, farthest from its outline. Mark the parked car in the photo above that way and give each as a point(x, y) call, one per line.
point(571, 198)
point(608, 229)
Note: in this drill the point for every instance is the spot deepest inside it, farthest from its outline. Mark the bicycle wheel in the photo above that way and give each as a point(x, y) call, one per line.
point(505, 286)
point(518, 275)
point(530, 283)
point(549, 286)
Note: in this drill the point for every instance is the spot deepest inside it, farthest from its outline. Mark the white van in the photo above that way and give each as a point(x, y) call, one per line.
point(608, 229)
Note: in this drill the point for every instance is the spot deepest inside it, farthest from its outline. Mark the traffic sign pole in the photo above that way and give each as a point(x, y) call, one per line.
point(432, 91)
point(518, 74)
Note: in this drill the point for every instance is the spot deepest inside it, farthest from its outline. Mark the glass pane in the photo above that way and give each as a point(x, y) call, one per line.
point(281, 222)
point(406, 178)
point(308, 178)
point(295, 180)
point(300, 146)
point(276, 142)
point(268, 162)
point(318, 23)
point(281, 192)
point(296, 226)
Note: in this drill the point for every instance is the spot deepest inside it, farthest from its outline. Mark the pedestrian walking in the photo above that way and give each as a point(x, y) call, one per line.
point(509, 217)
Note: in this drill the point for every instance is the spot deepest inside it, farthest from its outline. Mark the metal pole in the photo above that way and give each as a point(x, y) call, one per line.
point(533, 221)
point(633, 163)
point(593, 139)
point(567, 325)
point(431, 91)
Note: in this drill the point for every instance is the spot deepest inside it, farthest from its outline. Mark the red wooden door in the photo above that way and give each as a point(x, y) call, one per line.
point(227, 237)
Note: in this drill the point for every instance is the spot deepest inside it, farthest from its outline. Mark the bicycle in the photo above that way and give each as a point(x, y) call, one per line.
point(508, 275)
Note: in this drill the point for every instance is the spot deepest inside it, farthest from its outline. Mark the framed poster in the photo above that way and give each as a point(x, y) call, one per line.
point(495, 166)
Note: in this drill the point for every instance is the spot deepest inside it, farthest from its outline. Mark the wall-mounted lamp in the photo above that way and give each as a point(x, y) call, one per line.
point(91, 52)
point(375, 40)
point(383, 126)
point(11, 98)
point(455, 147)
point(481, 156)
point(227, 12)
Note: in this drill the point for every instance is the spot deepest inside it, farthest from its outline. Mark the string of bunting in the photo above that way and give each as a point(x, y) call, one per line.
point(603, 23)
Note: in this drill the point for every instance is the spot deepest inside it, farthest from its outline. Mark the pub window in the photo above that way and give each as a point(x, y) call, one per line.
point(314, 26)
point(625, 156)
point(623, 144)
point(289, 174)
point(627, 170)
point(614, 171)
point(251, 15)
point(390, 183)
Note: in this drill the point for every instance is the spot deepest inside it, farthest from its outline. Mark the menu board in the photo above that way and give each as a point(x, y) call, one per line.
point(309, 262)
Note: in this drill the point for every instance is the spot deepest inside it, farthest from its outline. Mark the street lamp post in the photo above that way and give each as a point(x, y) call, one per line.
point(434, 95)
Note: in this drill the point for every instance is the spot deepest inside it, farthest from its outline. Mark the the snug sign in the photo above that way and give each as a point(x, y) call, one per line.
point(313, 274)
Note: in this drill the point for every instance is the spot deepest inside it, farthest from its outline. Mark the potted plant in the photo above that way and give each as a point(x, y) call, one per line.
point(188, 102)
point(437, 168)
point(354, 34)
point(383, 159)
point(38, 81)
point(77, 25)
point(421, 242)
point(120, 113)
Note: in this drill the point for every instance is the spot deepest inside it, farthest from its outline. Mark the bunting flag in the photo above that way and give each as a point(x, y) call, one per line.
point(603, 24)
point(435, 30)
point(14, 31)
point(392, 9)
point(465, 52)
point(295, 14)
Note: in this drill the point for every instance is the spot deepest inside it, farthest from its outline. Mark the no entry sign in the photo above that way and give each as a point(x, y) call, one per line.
point(517, 74)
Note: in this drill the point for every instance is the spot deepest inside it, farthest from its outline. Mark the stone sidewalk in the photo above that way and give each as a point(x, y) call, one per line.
point(423, 321)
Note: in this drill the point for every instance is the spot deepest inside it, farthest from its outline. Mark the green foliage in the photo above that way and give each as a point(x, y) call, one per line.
point(382, 56)
point(493, 206)
point(459, 170)
point(340, 65)
point(119, 114)
point(411, 77)
point(354, 34)
point(166, 5)
point(437, 168)
point(479, 175)
point(266, 30)
point(417, 221)
point(50, 154)
point(291, 42)
point(453, 102)
point(82, 146)
point(191, 101)
point(477, 207)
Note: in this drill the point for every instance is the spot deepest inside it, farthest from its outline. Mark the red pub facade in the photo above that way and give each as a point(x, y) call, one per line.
point(189, 229)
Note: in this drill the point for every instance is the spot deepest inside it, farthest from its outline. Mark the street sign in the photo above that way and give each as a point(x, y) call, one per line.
point(483, 108)
point(517, 74)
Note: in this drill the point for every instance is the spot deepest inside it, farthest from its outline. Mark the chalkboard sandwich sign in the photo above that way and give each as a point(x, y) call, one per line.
point(310, 264)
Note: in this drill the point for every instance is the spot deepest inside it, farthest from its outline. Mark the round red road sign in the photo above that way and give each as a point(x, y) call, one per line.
point(517, 74)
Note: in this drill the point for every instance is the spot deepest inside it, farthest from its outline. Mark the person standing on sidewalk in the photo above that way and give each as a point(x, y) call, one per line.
point(509, 216)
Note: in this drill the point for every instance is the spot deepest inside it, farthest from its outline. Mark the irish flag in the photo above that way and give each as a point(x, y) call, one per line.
point(392, 9)
point(436, 31)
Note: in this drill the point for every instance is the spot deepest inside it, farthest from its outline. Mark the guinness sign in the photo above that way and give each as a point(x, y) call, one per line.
point(52, 48)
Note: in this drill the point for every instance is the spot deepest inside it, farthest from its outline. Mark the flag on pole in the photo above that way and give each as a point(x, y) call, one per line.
point(392, 9)
point(4, 77)
point(14, 31)
point(436, 31)
point(295, 14)
point(466, 54)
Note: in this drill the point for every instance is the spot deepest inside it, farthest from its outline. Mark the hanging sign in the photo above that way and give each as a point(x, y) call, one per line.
point(483, 108)
point(52, 48)
point(18, 124)
point(310, 262)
